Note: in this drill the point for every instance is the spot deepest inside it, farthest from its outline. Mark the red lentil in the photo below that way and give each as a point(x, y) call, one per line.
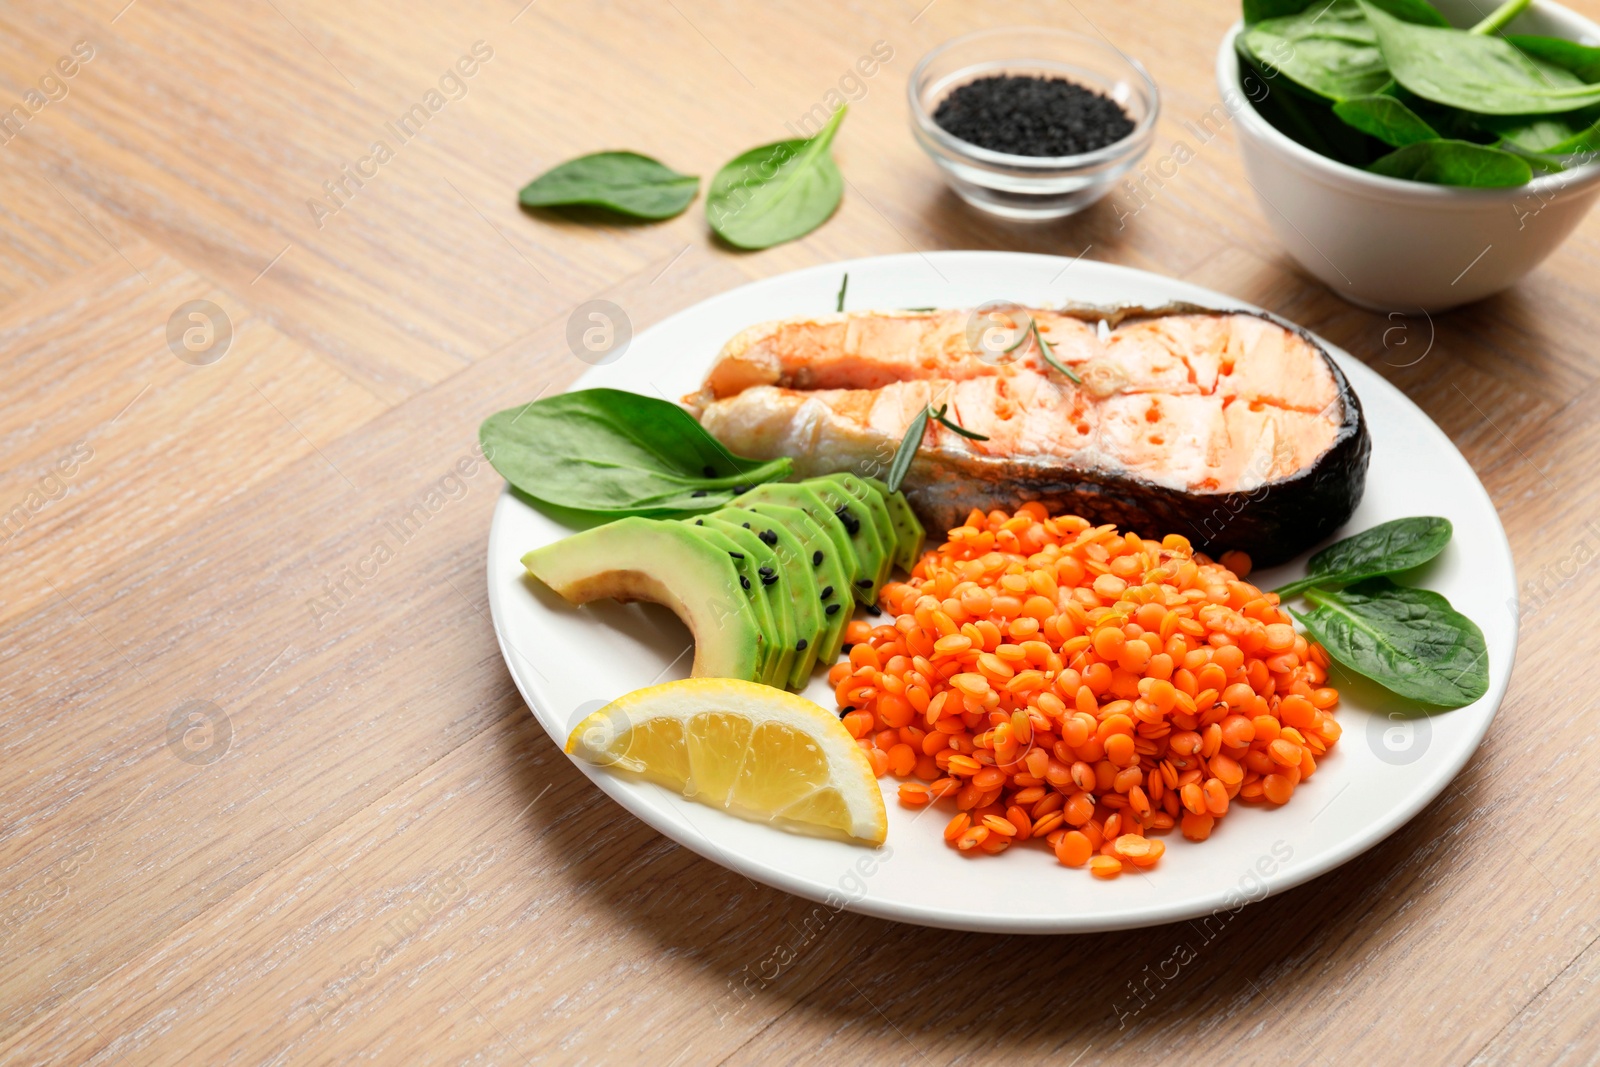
point(1064, 682)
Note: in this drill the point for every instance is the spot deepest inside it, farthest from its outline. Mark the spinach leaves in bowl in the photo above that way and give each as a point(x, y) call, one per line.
point(1391, 87)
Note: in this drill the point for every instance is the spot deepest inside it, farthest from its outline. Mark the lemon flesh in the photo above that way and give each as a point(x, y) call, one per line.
point(749, 749)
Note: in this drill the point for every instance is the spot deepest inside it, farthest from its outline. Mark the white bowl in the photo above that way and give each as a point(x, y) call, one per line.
point(1406, 246)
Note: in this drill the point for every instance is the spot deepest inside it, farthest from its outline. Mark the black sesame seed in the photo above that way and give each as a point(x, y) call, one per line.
point(766, 572)
point(831, 609)
point(768, 579)
point(769, 536)
point(736, 555)
point(699, 522)
point(698, 492)
point(744, 582)
point(800, 645)
point(740, 490)
point(865, 583)
point(827, 591)
point(872, 609)
point(1026, 115)
point(747, 526)
point(816, 558)
point(709, 471)
point(852, 524)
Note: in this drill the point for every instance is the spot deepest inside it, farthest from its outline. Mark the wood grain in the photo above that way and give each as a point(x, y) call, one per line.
point(389, 860)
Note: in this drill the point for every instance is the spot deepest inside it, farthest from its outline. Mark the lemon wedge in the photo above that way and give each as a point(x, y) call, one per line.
point(749, 749)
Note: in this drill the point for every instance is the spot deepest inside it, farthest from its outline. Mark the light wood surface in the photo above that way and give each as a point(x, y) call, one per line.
point(390, 861)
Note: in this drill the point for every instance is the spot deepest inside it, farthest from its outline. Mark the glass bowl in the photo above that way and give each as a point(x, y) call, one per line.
point(1032, 187)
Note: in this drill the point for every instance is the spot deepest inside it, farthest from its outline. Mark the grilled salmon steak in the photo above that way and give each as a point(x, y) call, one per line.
point(1225, 426)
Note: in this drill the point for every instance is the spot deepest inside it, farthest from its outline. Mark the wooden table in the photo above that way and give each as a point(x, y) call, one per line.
point(267, 799)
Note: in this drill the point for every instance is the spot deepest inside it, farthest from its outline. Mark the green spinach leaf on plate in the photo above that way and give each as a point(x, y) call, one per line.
point(1387, 548)
point(1411, 641)
point(610, 452)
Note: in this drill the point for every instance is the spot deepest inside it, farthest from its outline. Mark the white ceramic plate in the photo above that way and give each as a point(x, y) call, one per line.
point(567, 661)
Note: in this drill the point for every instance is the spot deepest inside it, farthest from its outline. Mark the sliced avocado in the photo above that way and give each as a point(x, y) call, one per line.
point(646, 559)
point(830, 579)
point(768, 571)
point(874, 507)
point(871, 554)
point(797, 582)
point(908, 531)
point(801, 495)
point(748, 583)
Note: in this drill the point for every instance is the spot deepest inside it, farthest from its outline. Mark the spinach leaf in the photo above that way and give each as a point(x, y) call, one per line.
point(1419, 11)
point(777, 192)
point(617, 453)
point(1550, 135)
point(1308, 119)
point(1454, 163)
point(1580, 59)
point(1477, 73)
point(1410, 641)
point(1330, 49)
point(1385, 118)
point(625, 182)
point(1387, 548)
point(1257, 10)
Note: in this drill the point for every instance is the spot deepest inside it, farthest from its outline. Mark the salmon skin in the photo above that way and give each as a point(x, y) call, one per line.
point(1229, 427)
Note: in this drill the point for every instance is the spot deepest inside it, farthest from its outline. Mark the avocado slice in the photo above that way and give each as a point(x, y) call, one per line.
point(874, 507)
point(830, 580)
point(907, 530)
point(646, 559)
point(801, 495)
point(796, 581)
point(870, 552)
point(748, 582)
point(767, 582)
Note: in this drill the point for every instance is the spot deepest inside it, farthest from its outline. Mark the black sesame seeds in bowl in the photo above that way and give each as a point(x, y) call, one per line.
point(1032, 123)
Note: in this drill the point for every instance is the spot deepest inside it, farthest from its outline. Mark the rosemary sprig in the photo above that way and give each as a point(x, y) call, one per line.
point(907, 450)
point(940, 417)
point(913, 440)
point(1050, 356)
point(843, 285)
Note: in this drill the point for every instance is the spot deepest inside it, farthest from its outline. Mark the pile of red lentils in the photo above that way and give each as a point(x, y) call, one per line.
point(1055, 680)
